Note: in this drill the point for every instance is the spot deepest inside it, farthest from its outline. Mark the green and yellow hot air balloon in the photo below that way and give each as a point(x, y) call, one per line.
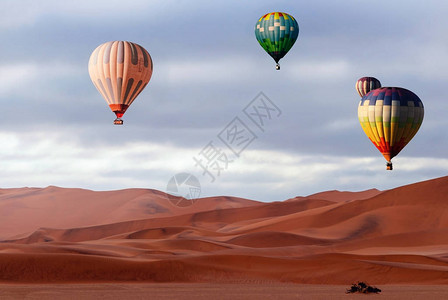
point(277, 32)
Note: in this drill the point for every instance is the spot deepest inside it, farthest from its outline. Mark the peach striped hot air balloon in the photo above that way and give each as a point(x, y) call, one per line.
point(120, 70)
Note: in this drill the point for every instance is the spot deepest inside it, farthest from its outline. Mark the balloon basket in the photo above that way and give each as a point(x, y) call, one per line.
point(118, 121)
point(389, 166)
point(277, 67)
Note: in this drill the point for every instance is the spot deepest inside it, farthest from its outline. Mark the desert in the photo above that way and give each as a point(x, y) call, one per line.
point(395, 239)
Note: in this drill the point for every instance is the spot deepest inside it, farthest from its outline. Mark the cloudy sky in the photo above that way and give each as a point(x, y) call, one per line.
point(208, 68)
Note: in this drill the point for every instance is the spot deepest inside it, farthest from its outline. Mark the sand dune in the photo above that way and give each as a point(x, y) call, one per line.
point(337, 196)
point(23, 211)
point(399, 236)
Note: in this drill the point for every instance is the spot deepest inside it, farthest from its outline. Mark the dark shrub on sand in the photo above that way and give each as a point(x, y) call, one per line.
point(362, 287)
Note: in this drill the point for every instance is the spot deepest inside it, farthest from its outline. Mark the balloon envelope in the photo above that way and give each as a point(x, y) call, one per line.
point(276, 32)
point(390, 117)
point(120, 70)
point(366, 84)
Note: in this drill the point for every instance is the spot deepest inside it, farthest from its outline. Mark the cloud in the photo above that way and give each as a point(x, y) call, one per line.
point(13, 77)
point(29, 12)
point(276, 175)
point(207, 67)
point(197, 71)
point(36, 79)
point(43, 158)
point(320, 70)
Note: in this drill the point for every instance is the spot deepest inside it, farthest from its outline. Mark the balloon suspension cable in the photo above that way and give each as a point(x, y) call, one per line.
point(277, 67)
point(118, 121)
point(389, 166)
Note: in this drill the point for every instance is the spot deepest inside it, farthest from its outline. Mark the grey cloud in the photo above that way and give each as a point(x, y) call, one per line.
point(208, 66)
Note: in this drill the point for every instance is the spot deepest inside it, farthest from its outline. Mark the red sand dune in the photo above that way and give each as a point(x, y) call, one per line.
point(399, 236)
point(25, 210)
point(345, 196)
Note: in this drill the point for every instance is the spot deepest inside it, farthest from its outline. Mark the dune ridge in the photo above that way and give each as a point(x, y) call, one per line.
point(398, 236)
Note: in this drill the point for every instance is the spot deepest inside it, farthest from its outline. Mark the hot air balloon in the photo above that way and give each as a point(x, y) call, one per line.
point(276, 32)
point(120, 70)
point(390, 117)
point(366, 84)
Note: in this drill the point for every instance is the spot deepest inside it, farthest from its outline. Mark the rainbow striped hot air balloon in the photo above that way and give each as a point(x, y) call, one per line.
point(277, 32)
point(390, 117)
point(366, 84)
point(120, 71)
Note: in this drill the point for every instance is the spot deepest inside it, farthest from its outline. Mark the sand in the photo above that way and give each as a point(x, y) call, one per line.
point(55, 239)
point(201, 291)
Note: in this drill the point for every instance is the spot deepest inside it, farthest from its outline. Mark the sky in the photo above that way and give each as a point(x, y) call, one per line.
point(209, 71)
